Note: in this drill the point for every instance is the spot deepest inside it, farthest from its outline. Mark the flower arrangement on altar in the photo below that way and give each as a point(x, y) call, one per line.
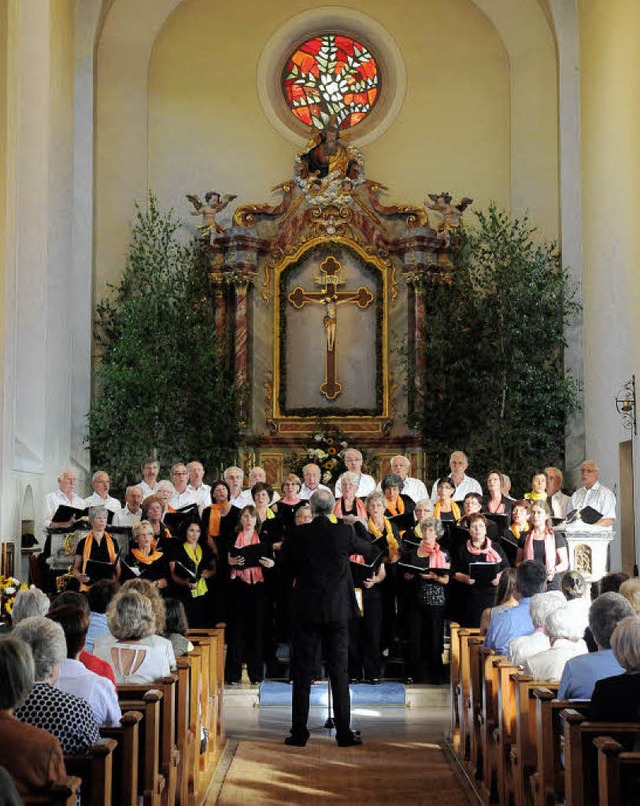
point(9, 587)
point(327, 450)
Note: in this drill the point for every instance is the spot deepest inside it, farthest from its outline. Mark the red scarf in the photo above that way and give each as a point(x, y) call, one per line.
point(492, 554)
point(360, 508)
point(437, 557)
point(549, 549)
point(248, 575)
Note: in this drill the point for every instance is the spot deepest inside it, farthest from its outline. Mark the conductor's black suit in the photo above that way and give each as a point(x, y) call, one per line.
point(316, 555)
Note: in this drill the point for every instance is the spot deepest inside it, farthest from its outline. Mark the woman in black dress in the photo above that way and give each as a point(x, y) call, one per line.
point(192, 566)
point(477, 594)
point(145, 560)
point(541, 543)
point(424, 600)
point(219, 522)
point(290, 503)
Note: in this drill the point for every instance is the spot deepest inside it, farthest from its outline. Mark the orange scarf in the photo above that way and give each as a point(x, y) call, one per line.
point(360, 508)
point(394, 551)
point(146, 559)
point(492, 554)
point(215, 514)
point(455, 511)
point(86, 554)
point(396, 508)
point(516, 531)
point(549, 549)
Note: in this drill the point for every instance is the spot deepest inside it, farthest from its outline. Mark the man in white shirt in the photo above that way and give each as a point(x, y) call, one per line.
point(256, 474)
point(65, 495)
point(459, 463)
point(412, 487)
point(595, 495)
point(182, 496)
point(353, 461)
point(196, 485)
point(311, 476)
point(150, 471)
point(234, 476)
point(560, 503)
point(131, 512)
point(100, 497)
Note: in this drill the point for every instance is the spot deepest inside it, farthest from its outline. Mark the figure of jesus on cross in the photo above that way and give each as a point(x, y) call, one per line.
point(329, 280)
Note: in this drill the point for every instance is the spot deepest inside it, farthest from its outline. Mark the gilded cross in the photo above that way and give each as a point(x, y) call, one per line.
point(329, 280)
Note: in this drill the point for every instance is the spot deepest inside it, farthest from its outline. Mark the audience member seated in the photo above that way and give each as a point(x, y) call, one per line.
point(132, 511)
point(81, 600)
point(464, 484)
point(582, 673)
point(445, 508)
point(31, 602)
point(475, 596)
point(531, 578)
point(74, 677)
point(129, 648)
point(544, 545)
point(611, 582)
point(525, 646)
point(99, 597)
point(177, 627)
point(33, 757)
point(97, 546)
point(66, 716)
point(365, 484)
point(565, 637)
point(617, 699)
point(412, 487)
point(150, 470)
point(151, 593)
point(575, 590)
point(100, 497)
point(506, 597)
point(630, 589)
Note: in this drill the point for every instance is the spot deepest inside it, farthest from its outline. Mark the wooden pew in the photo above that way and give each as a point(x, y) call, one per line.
point(193, 664)
point(476, 669)
point(214, 638)
point(580, 755)
point(548, 778)
point(95, 768)
point(618, 771)
point(125, 757)
point(56, 795)
point(454, 664)
point(151, 781)
point(182, 728)
point(489, 721)
point(169, 757)
point(464, 693)
point(506, 673)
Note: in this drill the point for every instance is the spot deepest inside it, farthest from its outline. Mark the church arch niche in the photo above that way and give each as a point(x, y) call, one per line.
point(331, 364)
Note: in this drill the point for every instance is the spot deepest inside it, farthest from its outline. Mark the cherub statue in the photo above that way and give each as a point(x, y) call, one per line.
point(212, 205)
point(450, 215)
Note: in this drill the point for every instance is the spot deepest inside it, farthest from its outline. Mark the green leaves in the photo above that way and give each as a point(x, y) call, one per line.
point(495, 385)
point(162, 385)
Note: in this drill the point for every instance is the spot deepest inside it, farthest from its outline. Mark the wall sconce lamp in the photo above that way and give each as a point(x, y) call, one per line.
point(626, 404)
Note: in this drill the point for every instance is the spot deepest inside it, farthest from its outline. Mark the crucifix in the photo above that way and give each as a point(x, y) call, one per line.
point(329, 280)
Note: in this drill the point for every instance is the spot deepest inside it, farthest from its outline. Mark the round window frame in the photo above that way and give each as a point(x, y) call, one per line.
point(315, 22)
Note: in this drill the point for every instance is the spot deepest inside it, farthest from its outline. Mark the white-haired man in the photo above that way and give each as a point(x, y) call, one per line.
point(412, 487)
point(234, 476)
point(353, 461)
point(132, 511)
point(560, 502)
point(100, 497)
point(311, 475)
point(595, 495)
point(197, 486)
point(458, 462)
point(65, 495)
point(257, 475)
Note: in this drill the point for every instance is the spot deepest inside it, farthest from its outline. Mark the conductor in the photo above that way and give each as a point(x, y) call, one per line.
point(317, 555)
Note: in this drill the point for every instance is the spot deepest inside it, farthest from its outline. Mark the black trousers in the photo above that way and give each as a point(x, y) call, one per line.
point(245, 631)
point(365, 637)
point(306, 642)
point(426, 637)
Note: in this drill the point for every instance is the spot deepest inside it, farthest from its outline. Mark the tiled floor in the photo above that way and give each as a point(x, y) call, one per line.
point(426, 718)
